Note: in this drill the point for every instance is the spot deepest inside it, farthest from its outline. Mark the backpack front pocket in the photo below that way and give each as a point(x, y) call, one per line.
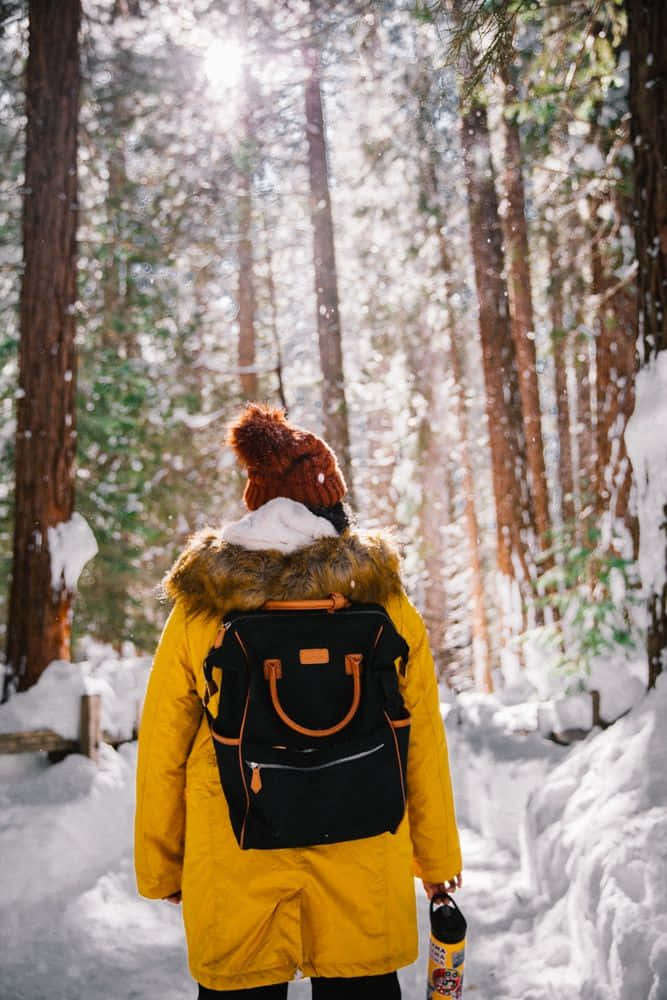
point(322, 795)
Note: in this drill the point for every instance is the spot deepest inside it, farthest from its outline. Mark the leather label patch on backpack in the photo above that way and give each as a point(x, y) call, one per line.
point(307, 656)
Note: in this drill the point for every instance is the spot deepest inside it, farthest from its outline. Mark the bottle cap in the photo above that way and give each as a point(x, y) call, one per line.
point(447, 922)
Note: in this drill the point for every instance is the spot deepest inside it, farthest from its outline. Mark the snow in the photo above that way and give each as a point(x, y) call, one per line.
point(621, 682)
point(497, 765)
point(597, 850)
point(54, 701)
point(646, 441)
point(590, 158)
point(75, 821)
point(591, 832)
point(573, 712)
point(198, 421)
point(281, 524)
point(565, 854)
point(71, 545)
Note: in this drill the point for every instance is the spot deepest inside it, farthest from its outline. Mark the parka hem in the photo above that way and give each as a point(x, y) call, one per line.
point(348, 970)
point(286, 974)
point(245, 980)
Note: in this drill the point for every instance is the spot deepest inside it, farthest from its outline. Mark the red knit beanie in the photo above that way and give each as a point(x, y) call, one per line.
point(283, 460)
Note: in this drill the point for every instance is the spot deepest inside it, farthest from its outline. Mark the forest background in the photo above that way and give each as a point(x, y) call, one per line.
point(418, 227)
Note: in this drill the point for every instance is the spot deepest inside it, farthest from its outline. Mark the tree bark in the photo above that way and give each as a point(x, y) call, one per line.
point(433, 508)
point(517, 254)
point(380, 462)
point(246, 284)
point(326, 282)
point(480, 627)
point(585, 423)
point(273, 307)
point(559, 343)
point(117, 333)
point(616, 335)
point(481, 647)
point(39, 612)
point(430, 201)
point(515, 527)
point(647, 42)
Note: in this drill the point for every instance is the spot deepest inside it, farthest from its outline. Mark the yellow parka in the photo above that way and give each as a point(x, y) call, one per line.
point(257, 917)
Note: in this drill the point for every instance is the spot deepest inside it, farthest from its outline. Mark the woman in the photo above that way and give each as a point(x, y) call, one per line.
point(342, 914)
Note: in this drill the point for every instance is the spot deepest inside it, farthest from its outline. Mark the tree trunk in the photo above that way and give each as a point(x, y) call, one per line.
point(246, 286)
point(559, 343)
point(616, 335)
point(522, 321)
point(647, 42)
point(380, 461)
point(273, 307)
point(480, 626)
point(481, 648)
point(425, 364)
point(112, 280)
point(430, 201)
point(585, 424)
point(334, 403)
point(117, 333)
point(433, 512)
point(39, 610)
point(515, 528)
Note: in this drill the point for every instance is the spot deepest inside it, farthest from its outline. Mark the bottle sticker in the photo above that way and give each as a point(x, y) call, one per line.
point(438, 953)
point(458, 958)
point(447, 983)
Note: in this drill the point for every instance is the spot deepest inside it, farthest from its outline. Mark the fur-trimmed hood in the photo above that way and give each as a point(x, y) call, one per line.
point(213, 576)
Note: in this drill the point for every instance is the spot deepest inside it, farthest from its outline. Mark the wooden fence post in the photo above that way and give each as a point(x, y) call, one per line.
point(90, 729)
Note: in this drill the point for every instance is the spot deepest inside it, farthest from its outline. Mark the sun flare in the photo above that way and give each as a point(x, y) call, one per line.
point(223, 61)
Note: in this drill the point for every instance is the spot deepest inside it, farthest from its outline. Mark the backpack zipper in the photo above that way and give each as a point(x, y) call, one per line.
point(398, 759)
point(255, 766)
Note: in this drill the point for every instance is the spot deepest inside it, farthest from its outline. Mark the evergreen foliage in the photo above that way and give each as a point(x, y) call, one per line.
point(162, 148)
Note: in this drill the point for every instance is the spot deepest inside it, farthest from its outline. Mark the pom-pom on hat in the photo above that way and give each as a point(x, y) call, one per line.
point(283, 460)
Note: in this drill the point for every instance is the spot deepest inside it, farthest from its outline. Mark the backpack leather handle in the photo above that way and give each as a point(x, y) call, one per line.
point(334, 602)
point(273, 671)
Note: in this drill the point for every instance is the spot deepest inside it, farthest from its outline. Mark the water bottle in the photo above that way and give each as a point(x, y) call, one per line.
point(446, 949)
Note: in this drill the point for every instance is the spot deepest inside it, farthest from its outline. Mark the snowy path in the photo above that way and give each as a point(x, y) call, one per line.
point(104, 943)
point(594, 835)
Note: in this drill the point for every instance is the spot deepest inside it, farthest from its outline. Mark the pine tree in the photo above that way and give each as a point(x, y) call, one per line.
point(40, 605)
point(522, 320)
point(334, 402)
point(647, 42)
point(246, 280)
point(561, 354)
point(515, 527)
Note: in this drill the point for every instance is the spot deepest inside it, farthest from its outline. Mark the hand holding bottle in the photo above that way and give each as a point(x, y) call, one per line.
point(438, 888)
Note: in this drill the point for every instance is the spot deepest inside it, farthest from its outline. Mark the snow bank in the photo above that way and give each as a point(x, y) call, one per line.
point(586, 913)
point(595, 851)
point(497, 764)
point(62, 825)
point(54, 701)
point(646, 441)
point(621, 681)
point(123, 680)
point(71, 545)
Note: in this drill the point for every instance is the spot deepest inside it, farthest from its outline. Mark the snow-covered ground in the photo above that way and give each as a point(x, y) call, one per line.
point(565, 853)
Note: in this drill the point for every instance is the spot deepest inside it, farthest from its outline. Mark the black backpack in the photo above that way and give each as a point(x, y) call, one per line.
point(308, 723)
